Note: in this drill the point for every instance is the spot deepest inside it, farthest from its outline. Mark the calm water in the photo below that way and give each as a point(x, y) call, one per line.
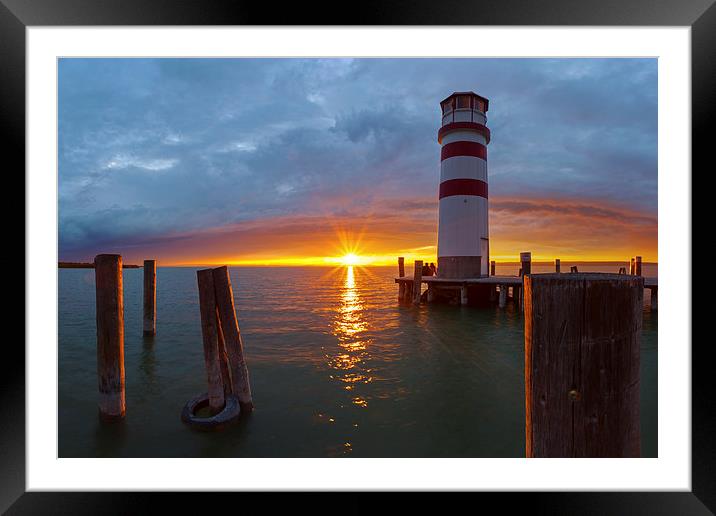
point(337, 369)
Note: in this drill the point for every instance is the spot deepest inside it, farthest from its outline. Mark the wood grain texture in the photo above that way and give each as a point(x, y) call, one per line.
point(401, 273)
point(110, 336)
point(240, 384)
point(210, 338)
point(417, 281)
point(150, 298)
point(582, 338)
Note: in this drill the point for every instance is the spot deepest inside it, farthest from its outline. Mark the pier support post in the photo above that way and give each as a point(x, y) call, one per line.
point(557, 265)
point(526, 263)
point(585, 403)
point(573, 269)
point(492, 268)
point(654, 298)
point(637, 266)
point(210, 337)
point(632, 267)
point(417, 281)
point(503, 296)
point(401, 284)
point(150, 298)
point(110, 336)
point(229, 327)
point(463, 295)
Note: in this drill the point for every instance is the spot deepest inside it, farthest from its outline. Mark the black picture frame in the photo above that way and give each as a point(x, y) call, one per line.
point(700, 15)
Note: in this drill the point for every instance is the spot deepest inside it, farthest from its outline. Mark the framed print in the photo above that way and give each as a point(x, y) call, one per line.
point(272, 254)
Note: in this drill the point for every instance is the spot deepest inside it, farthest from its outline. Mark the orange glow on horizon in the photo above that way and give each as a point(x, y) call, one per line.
point(572, 230)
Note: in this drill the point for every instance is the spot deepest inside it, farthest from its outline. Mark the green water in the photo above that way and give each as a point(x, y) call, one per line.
point(337, 369)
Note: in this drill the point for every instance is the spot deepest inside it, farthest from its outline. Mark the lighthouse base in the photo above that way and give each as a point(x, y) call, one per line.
point(451, 267)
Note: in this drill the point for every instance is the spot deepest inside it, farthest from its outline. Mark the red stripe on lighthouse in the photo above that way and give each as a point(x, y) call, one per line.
point(457, 126)
point(475, 149)
point(463, 187)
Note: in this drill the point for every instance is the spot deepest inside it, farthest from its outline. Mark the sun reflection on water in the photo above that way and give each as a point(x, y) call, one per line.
point(350, 327)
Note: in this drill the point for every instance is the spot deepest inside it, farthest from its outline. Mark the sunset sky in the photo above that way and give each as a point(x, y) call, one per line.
point(300, 161)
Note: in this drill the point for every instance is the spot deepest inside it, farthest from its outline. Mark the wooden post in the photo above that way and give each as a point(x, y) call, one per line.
point(654, 299)
point(503, 296)
point(150, 297)
point(463, 295)
point(557, 265)
point(408, 292)
point(417, 281)
point(573, 269)
point(582, 337)
point(110, 336)
point(526, 262)
point(240, 385)
point(622, 270)
point(210, 336)
point(637, 266)
point(492, 268)
point(632, 267)
point(431, 294)
point(401, 285)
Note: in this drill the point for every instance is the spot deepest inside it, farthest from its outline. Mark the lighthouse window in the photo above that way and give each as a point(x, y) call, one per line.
point(463, 102)
point(447, 106)
point(479, 105)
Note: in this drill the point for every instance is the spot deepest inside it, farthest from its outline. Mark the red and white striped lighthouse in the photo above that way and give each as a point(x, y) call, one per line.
point(463, 231)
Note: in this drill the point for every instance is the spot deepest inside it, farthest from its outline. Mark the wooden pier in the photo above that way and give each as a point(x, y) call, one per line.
point(487, 288)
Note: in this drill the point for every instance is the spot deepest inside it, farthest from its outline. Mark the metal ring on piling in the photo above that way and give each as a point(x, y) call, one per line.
point(228, 415)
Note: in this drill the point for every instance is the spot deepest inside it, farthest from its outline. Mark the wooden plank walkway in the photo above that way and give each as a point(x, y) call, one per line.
point(491, 280)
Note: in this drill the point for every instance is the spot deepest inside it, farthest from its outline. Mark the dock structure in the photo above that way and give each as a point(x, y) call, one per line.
point(461, 288)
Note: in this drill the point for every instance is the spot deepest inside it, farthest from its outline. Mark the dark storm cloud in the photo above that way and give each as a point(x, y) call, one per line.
point(149, 148)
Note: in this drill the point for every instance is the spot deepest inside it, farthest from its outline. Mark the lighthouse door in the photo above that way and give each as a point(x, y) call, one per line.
point(485, 253)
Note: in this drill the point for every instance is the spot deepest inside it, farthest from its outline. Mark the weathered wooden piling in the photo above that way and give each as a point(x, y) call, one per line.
point(654, 298)
point(150, 297)
point(526, 263)
point(573, 269)
point(632, 267)
point(582, 337)
point(463, 295)
point(401, 285)
point(492, 268)
point(210, 337)
point(229, 327)
point(637, 266)
point(503, 296)
point(110, 336)
point(557, 265)
point(417, 281)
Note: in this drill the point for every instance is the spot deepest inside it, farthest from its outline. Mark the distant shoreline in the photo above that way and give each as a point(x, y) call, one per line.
point(85, 265)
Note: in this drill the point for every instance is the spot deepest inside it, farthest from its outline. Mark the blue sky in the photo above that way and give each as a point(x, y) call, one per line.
point(193, 159)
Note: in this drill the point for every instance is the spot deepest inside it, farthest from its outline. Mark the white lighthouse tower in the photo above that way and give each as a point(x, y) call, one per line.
point(463, 230)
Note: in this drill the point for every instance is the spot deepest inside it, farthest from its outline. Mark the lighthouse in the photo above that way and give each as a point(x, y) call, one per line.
point(463, 229)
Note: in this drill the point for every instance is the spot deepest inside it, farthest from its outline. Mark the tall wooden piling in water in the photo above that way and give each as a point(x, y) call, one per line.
point(210, 337)
point(582, 337)
point(492, 268)
point(234, 346)
point(110, 336)
point(637, 265)
point(417, 281)
point(150, 298)
point(632, 267)
point(557, 265)
point(401, 273)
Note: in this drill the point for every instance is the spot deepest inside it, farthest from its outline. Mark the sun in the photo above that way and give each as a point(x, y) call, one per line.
point(350, 259)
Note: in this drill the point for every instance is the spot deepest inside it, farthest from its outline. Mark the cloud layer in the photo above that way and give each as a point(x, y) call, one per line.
point(189, 159)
